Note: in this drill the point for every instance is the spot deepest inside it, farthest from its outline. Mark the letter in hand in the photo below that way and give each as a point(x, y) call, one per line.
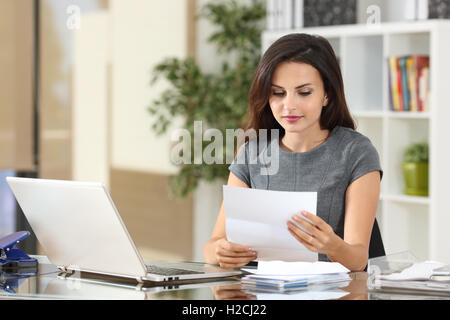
point(314, 233)
point(231, 255)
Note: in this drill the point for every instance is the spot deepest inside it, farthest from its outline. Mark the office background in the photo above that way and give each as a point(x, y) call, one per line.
point(74, 93)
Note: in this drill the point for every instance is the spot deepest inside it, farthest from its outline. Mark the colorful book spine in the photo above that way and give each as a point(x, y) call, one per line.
point(412, 76)
point(424, 92)
point(391, 96)
point(398, 70)
point(394, 83)
point(409, 83)
point(423, 64)
point(405, 87)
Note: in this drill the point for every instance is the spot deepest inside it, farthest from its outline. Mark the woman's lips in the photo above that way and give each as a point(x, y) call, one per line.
point(292, 118)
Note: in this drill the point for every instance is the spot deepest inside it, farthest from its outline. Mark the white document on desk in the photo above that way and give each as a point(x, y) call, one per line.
point(282, 268)
point(258, 218)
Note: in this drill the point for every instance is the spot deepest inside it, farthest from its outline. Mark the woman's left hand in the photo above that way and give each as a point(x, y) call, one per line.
point(319, 237)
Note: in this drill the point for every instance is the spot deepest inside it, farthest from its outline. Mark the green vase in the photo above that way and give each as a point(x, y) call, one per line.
point(416, 178)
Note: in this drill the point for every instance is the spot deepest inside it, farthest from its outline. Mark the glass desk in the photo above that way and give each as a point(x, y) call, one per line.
point(50, 283)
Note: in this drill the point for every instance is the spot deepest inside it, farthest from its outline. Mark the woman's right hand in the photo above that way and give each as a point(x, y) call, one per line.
point(230, 255)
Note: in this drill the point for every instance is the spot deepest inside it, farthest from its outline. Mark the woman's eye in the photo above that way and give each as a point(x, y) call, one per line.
point(281, 94)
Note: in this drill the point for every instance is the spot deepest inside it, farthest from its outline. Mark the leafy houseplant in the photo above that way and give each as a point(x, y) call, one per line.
point(415, 169)
point(218, 100)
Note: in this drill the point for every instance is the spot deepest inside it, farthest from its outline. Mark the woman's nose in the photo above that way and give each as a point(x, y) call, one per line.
point(289, 102)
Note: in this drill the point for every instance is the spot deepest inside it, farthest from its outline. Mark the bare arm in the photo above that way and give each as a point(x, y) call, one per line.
point(360, 210)
point(218, 250)
point(361, 207)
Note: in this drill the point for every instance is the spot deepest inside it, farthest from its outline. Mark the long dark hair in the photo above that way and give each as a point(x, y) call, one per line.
point(310, 49)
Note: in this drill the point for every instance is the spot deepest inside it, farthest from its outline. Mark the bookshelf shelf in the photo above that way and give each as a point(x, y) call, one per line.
point(408, 115)
point(419, 224)
point(391, 114)
point(406, 199)
point(369, 114)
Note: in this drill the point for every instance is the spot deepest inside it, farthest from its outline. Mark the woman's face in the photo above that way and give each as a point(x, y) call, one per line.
point(297, 96)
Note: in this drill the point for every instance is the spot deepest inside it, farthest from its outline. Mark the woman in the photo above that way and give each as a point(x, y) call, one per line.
point(298, 89)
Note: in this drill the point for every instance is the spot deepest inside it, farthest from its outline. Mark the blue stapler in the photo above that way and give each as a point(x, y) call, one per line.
point(14, 258)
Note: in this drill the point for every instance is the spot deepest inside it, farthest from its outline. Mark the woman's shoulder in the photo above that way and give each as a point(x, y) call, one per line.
point(353, 138)
point(360, 155)
point(355, 144)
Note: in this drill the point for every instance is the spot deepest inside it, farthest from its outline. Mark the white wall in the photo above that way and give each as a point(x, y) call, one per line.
point(134, 36)
point(89, 113)
point(143, 32)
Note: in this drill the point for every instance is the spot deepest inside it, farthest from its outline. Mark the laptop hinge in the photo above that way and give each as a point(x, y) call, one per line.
point(65, 270)
point(62, 268)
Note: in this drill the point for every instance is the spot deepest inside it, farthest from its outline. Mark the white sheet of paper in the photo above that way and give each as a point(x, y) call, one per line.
point(418, 271)
point(308, 279)
point(282, 268)
point(257, 218)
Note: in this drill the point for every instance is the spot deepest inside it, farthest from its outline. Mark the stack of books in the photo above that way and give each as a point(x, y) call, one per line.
point(409, 78)
point(290, 276)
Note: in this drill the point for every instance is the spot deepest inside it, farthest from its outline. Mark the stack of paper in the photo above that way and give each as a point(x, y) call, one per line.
point(288, 276)
point(417, 272)
point(417, 277)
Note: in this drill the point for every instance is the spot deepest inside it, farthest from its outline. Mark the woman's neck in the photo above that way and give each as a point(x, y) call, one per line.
point(304, 141)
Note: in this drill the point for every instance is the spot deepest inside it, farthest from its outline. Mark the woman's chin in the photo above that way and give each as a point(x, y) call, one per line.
point(293, 128)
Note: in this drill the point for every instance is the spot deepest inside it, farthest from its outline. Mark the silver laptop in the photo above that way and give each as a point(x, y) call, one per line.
point(80, 229)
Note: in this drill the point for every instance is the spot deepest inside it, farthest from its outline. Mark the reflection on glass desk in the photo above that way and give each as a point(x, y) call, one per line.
point(50, 283)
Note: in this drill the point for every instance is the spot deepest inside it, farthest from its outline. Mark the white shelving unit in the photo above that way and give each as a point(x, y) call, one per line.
point(419, 224)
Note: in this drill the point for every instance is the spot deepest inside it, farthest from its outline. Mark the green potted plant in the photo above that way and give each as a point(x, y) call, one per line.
point(415, 169)
point(219, 100)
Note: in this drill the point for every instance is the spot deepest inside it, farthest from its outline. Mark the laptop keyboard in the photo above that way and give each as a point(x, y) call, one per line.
point(169, 271)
